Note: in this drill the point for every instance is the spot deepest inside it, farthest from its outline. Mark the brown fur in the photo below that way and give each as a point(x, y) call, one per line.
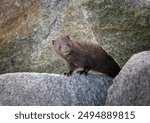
point(85, 55)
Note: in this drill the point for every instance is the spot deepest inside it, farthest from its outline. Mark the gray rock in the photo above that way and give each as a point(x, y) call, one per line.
point(27, 29)
point(52, 89)
point(132, 85)
point(122, 27)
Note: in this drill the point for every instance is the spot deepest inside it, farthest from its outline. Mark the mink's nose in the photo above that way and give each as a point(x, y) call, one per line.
point(53, 42)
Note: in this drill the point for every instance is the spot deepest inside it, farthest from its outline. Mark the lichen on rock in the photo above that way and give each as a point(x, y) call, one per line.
point(28, 27)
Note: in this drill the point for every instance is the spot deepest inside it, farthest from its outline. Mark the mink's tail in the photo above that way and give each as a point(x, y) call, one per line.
point(114, 67)
point(109, 66)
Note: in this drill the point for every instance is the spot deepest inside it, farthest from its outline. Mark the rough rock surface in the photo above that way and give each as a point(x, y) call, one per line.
point(132, 85)
point(52, 89)
point(27, 28)
point(121, 26)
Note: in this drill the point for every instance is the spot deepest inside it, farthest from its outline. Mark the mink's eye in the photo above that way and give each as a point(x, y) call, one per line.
point(59, 47)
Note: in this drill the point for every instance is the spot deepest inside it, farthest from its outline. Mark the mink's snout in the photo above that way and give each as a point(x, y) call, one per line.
point(53, 41)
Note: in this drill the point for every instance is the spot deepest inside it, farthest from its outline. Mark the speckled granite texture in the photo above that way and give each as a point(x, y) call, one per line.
point(132, 85)
point(44, 89)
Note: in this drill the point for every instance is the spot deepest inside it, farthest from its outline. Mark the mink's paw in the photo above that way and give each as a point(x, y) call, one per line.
point(67, 74)
point(82, 72)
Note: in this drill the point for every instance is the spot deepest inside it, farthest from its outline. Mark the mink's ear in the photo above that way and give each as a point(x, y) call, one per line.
point(67, 36)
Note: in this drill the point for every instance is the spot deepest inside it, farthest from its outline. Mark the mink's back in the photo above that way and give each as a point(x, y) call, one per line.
point(95, 56)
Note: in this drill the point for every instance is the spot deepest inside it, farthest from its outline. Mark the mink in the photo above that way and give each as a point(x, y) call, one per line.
point(88, 56)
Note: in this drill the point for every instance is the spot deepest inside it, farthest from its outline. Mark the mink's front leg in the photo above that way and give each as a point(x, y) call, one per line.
point(71, 68)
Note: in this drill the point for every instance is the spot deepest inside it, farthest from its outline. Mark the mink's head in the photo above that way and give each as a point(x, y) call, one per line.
point(62, 45)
